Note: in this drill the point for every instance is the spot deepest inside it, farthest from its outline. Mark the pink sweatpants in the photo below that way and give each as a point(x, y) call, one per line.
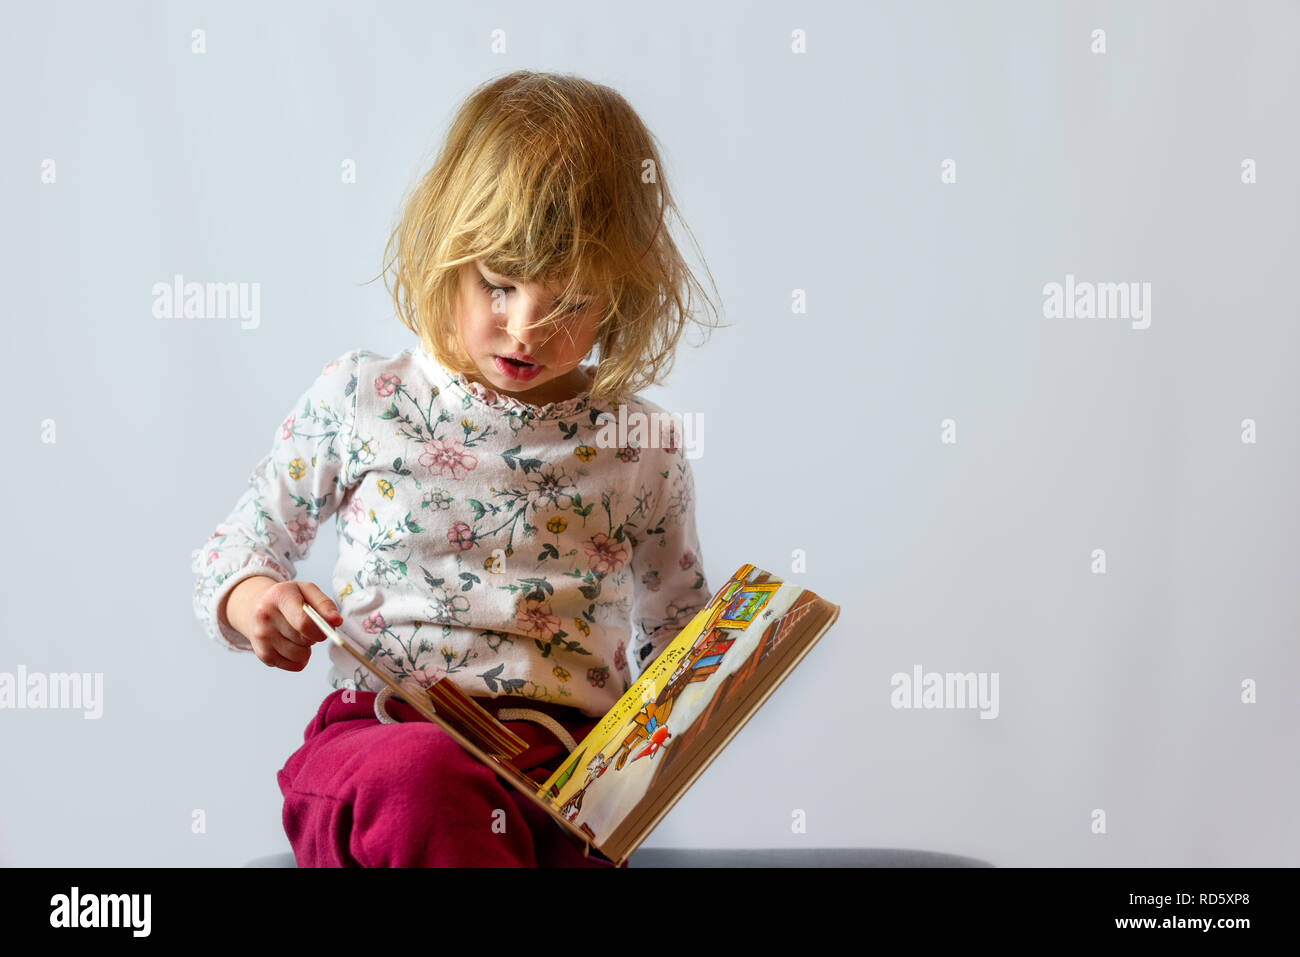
point(361, 793)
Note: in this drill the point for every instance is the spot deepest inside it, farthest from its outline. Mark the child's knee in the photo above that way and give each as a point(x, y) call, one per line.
point(423, 801)
point(406, 766)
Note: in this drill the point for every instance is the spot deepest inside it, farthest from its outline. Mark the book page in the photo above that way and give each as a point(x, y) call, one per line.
point(627, 754)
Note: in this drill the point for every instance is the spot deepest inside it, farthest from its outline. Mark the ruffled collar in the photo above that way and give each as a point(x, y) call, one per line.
point(487, 396)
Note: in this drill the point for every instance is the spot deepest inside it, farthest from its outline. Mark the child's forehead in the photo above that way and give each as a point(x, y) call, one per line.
point(553, 287)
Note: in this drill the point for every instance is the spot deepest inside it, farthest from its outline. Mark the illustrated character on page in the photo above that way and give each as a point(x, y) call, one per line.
point(597, 766)
point(569, 810)
point(700, 662)
point(657, 740)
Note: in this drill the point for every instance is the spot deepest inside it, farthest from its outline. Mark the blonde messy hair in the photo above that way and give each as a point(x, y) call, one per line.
point(549, 178)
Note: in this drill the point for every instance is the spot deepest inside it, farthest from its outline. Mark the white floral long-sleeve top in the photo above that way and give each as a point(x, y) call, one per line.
point(509, 546)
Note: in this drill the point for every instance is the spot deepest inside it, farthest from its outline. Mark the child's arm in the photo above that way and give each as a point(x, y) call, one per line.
point(296, 486)
point(667, 569)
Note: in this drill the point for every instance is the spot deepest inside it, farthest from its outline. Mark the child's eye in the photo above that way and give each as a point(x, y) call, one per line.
point(490, 288)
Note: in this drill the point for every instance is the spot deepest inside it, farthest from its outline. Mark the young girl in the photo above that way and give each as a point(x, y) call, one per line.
point(489, 531)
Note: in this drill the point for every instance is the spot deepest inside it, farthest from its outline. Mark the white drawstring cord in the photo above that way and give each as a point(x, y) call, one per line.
point(505, 714)
point(545, 720)
point(381, 712)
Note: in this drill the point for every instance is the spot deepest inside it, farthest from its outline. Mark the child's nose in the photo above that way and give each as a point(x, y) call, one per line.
point(521, 324)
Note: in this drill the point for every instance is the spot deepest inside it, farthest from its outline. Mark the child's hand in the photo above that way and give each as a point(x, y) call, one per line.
point(280, 631)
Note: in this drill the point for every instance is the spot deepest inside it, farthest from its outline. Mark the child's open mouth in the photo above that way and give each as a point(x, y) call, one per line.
point(522, 371)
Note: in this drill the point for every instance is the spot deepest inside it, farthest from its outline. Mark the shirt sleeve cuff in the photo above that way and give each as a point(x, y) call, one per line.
point(224, 632)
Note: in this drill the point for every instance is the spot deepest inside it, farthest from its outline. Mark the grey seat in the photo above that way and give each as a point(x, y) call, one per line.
point(757, 857)
point(796, 857)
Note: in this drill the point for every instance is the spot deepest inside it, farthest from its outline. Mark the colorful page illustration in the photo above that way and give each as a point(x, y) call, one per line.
point(631, 753)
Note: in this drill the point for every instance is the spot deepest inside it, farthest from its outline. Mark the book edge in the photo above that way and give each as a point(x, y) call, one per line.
point(622, 847)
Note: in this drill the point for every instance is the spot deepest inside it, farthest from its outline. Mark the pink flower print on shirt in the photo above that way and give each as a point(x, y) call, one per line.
point(386, 385)
point(375, 624)
point(303, 529)
point(536, 619)
point(329, 367)
point(443, 455)
point(651, 580)
point(461, 536)
point(356, 511)
point(670, 446)
point(688, 560)
point(605, 555)
point(274, 566)
point(429, 675)
point(629, 454)
point(286, 427)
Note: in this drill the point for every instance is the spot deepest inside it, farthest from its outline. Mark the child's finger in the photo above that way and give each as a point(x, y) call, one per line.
point(321, 603)
point(269, 621)
point(305, 632)
point(269, 656)
point(284, 619)
point(280, 661)
point(296, 653)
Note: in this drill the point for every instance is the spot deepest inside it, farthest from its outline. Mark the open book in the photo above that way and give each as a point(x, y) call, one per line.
point(638, 760)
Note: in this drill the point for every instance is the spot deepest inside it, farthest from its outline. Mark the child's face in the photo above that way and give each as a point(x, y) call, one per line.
point(492, 325)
